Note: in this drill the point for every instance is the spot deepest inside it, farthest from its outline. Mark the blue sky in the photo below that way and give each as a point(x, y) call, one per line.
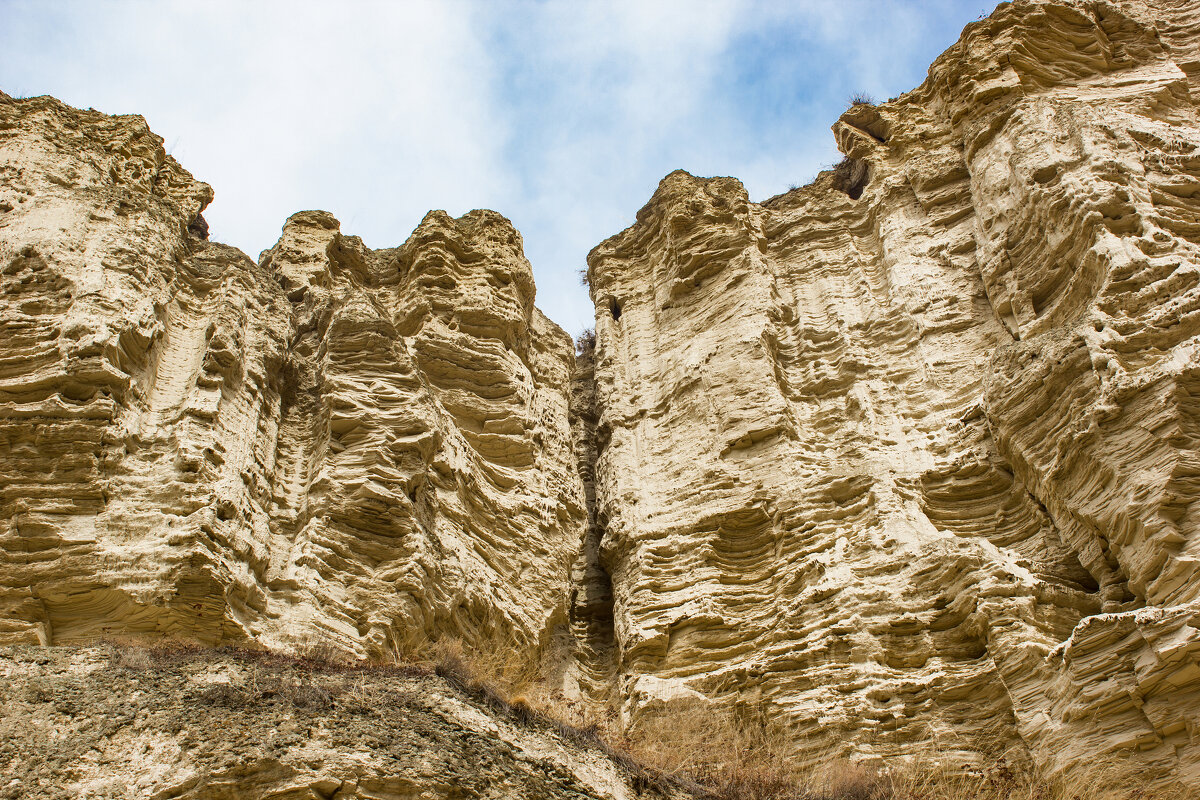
point(561, 115)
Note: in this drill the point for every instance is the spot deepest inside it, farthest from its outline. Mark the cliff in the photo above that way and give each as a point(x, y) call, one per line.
point(909, 455)
point(905, 460)
point(334, 445)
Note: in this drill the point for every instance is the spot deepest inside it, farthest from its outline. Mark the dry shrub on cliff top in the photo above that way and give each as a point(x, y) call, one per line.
point(585, 342)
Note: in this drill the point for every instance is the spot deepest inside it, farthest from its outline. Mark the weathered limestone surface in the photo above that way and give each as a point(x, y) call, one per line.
point(335, 446)
point(916, 462)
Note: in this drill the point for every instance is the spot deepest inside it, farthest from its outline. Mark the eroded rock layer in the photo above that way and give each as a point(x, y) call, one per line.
point(909, 456)
point(905, 459)
point(337, 446)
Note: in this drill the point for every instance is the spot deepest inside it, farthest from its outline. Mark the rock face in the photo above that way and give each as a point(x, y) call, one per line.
point(908, 458)
point(917, 461)
point(335, 445)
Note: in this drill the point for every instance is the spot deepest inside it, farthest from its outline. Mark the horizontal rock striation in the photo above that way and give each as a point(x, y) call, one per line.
point(904, 460)
point(335, 446)
point(908, 457)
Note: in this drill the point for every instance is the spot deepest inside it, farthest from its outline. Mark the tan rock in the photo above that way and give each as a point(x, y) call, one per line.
point(873, 462)
point(336, 445)
point(905, 460)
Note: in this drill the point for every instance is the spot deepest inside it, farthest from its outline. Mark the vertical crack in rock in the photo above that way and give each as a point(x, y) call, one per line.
point(591, 601)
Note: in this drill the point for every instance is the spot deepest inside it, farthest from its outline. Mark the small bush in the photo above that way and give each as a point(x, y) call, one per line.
point(257, 690)
point(132, 658)
point(861, 99)
point(585, 342)
point(321, 654)
point(225, 695)
point(308, 695)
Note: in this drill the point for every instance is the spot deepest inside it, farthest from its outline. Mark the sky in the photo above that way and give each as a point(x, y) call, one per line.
point(563, 116)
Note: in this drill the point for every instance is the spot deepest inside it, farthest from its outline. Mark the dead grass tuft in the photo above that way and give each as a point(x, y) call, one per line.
point(585, 342)
point(706, 752)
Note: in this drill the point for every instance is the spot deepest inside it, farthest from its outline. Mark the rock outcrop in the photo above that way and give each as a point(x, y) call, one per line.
point(910, 455)
point(906, 459)
point(335, 445)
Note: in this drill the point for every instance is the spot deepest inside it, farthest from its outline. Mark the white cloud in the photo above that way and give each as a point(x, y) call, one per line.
point(375, 111)
point(561, 115)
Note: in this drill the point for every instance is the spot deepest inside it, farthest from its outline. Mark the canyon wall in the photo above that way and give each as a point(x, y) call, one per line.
point(910, 455)
point(334, 446)
point(905, 459)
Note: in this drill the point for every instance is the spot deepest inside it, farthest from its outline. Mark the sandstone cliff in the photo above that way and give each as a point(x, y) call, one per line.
point(334, 445)
point(909, 455)
point(907, 459)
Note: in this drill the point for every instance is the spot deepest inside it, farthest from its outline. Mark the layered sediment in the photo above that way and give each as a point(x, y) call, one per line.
point(904, 460)
point(909, 455)
point(336, 445)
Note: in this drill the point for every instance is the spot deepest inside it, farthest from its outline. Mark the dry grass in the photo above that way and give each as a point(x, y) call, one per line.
point(744, 756)
point(698, 750)
point(509, 667)
point(731, 757)
point(925, 781)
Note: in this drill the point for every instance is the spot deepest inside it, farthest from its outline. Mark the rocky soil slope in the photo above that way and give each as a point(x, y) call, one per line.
point(108, 722)
point(906, 458)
